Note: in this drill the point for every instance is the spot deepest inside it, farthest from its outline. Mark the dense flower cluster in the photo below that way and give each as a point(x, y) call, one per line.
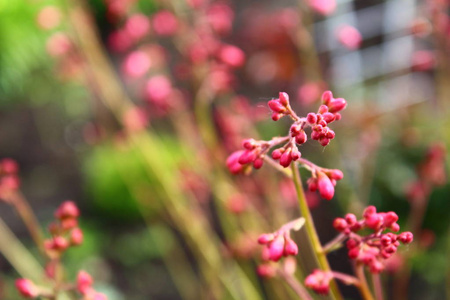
point(65, 231)
point(254, 152)
point(279, 243)
point(373, 249)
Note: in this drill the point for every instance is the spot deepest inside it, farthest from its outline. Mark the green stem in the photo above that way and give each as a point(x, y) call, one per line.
point(311, 230)
point(363, 286)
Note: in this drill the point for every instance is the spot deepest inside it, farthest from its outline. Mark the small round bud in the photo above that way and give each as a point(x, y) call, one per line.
point(340, 224)
point(311, 118)
point(326, 97)
point(27, 288)
point(67, 209)
point(290, 247)
point(406, 237)
point(265, 238)
point(84, 282)
point(276, 154)
point(76, 237)
point(284, 98)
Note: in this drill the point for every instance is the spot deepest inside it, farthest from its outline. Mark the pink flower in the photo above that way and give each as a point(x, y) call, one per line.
point(27, 288)
point(84, 282)
point(349, 36)
point(165, 23)
point(323, 7)
point(136, 64)
point(137, 26)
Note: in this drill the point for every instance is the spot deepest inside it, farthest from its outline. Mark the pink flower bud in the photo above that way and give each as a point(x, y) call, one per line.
point(249, 144)
point(286, 159)
point(99, 296)
point(276, 106)
point(336, 105)
point(276, 116)
point(385, 240)
point(301, 137)
point(266, 271)
point(295, 154)
point(290, 247)
point(336, 174)
point(390, 218)
point(137, 26)
point(136, 64)
point(353, 253)
point(390, 249)
point(27, 288)
point(67, 209)
point(328, 117)
point(369, 211)
point(232, 162)
point(340, 224)
point(374, 221)
point(315, 135)
point(284, 98)
point(376, 266)
point(258, 163)
point(312, 184)
point(276, 248)
point(351, 219)
point(326, 188)
point(319, 281)
point(165, 23)
point(324, 141)
point(76, 237)
point(327, 96)
point(84, 282)
point(406, 237)
point(232, 56)
point(351, 243)
point(323, 7)
point(395, 227)
point(350, 37)
point(295, 129)
point(311, 118)
point(265, 238)
point(323, 109)
point(247, 157)
point(276, 154)
point(60, 243)
point(8, 166)
point(69, 223)
point(158, 89)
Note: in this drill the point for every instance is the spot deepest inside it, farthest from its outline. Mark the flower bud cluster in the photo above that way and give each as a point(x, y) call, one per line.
point(319, 281)
point(255, 150)
point(373, 249)
point(9, 179)
point(240, 161)
point(279, 243)
point(324, 180)
point(65, 231)
point(328, 112)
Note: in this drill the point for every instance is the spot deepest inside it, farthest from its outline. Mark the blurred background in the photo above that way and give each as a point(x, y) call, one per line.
point(131, 107)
